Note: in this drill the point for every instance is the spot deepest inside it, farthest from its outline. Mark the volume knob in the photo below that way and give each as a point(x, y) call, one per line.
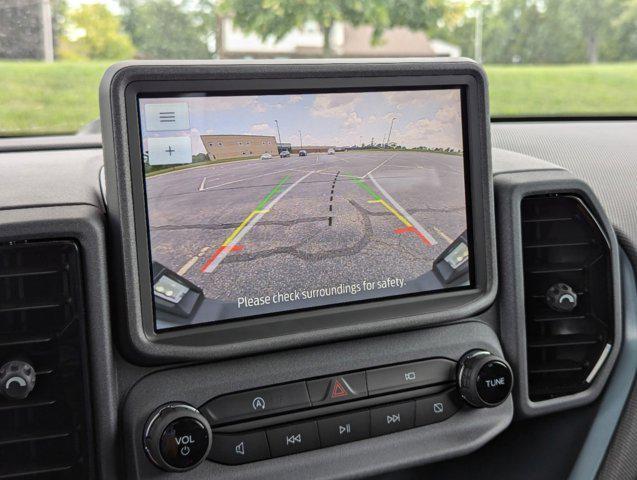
point(177, 437)
point(484, 379)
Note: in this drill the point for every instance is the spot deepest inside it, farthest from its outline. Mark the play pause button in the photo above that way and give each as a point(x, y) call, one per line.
point(344, 428)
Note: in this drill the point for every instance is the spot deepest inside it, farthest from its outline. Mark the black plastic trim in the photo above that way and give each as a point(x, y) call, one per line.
point(140, 343)
point(510, 189)
point(84, 224)
point(465, 431)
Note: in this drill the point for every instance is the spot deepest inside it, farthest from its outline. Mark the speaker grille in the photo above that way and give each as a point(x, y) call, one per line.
point(564, 245)
point(48, 434)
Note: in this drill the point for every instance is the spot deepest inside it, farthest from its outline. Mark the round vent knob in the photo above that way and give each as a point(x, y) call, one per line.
point(561, 297)
point(177, 437)
point(484, 379)
point(17, 379)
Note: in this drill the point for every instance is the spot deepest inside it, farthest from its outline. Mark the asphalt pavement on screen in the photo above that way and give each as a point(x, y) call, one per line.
point(259, 227)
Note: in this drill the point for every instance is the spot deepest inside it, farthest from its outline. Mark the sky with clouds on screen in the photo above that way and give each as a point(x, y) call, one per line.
point(423, 118)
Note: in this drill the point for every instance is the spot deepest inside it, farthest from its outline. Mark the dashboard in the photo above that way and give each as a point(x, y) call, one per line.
point(194, 296)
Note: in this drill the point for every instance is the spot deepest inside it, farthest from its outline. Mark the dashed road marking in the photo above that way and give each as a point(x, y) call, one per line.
point(443, 235)
point(378, 166)
point(188, 265)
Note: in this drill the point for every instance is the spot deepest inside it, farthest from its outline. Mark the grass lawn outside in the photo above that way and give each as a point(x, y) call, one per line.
point(39, 98)
point(48, 98)
point(536, 90)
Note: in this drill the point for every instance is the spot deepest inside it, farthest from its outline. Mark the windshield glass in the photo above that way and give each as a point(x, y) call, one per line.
point(543, 57)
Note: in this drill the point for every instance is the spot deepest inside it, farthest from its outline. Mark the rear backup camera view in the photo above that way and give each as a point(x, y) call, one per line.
point(264, 204)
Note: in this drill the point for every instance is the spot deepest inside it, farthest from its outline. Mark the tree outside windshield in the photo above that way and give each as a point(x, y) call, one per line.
point(543, 57)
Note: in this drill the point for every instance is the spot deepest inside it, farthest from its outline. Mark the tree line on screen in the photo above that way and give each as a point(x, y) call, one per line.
point(512, 31)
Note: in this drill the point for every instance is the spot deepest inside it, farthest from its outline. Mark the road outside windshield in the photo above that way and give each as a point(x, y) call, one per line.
point(273, 203)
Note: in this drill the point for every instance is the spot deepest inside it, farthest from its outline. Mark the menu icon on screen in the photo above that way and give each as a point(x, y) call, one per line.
point(166, 116)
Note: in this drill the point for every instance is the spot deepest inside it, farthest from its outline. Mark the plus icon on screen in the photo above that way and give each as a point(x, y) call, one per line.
point(170, 150)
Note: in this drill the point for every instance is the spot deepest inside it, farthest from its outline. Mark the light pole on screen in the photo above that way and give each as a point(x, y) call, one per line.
point(300, 139)
point(391, 125)
point(276, 122)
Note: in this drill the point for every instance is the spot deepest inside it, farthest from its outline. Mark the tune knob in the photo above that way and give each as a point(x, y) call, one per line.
point(484, 379)
point(177, 437)
point(17, 379)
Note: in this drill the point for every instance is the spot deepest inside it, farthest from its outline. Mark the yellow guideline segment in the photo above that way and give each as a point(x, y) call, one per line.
point(392, 210)
point(241, 226)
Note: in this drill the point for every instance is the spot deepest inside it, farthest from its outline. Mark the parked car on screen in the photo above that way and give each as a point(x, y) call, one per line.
point(284, 154)
point(331, 151)
point(265, 156)
point(302, 153)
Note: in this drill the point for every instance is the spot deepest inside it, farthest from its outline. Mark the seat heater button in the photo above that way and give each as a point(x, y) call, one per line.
point(392, 418)
point(257, 403)
point(295, 438)
point(436, 408)
point(239, 448)
point(344, 428)
point(410, 375)
point(337, 389)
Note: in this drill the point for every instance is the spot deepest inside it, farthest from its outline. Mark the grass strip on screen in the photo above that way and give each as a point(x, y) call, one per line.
point(60, 97)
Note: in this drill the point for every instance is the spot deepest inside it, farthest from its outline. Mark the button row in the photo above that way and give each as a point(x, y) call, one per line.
point(324, 391)
point(239, 448)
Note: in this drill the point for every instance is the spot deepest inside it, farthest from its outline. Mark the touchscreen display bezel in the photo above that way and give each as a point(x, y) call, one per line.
point(125, 195)
point(467, 193)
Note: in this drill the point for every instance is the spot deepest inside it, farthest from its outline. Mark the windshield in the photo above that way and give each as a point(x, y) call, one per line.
point(543, 57)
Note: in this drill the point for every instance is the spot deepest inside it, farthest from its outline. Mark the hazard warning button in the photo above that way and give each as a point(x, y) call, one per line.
point(337, 389)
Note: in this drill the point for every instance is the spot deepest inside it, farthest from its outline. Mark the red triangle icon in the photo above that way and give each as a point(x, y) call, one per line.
point(338, 390)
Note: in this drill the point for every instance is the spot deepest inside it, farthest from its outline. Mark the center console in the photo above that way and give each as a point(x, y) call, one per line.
point(296, 417)
point(306, 269)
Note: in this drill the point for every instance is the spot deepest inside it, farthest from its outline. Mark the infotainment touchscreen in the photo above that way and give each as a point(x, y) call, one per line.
point(265, 204)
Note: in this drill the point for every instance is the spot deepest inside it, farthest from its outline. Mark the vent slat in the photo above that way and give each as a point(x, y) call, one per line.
point(25, 307)
point(557, 367)
point(34, 472)
point(26, 403)
point(26, 273)
point(563, 341)
point(563, 244)
point(42, 323)
point(555, 269)
point(556, 245)
point(548, 219)
point(33, 437)
point(558, 318)
point(18, 340)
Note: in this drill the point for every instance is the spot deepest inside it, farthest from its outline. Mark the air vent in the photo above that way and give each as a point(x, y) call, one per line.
point(46, 435)
point(568, 295)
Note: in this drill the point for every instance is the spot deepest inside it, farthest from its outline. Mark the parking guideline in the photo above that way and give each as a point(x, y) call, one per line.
point(426, 238)
point(263, 207)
